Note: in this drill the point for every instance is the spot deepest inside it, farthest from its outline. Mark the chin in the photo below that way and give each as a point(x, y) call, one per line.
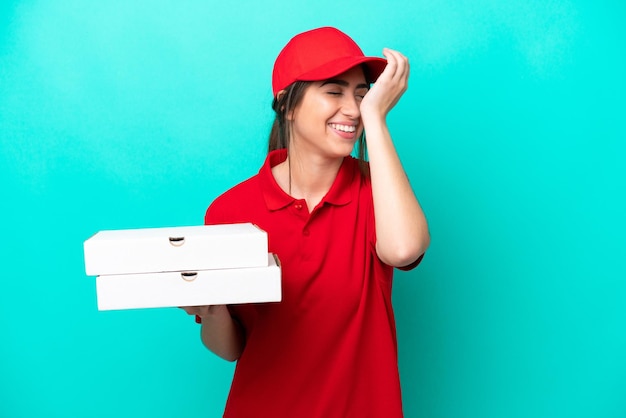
point(343, 152)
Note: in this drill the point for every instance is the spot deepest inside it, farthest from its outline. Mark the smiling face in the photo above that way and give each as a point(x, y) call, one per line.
point(327, 121)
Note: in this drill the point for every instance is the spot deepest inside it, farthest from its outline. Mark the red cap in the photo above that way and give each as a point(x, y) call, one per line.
point(320, 54)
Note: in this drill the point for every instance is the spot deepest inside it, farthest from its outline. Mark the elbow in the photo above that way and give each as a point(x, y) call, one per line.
point(229, 354)
point(234, 353)
point(402, 254)
point(226, 349)
point(230, 357)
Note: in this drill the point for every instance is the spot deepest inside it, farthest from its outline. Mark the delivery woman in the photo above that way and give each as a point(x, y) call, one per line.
point(339, 226)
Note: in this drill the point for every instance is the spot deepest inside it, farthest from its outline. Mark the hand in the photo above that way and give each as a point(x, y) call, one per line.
point(204, 311)
point(389, 87)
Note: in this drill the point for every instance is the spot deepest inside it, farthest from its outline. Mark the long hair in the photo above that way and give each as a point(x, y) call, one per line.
point(282, 105)
point(281, 132)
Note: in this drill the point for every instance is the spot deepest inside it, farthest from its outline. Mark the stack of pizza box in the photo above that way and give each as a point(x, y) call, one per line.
point(182, 266)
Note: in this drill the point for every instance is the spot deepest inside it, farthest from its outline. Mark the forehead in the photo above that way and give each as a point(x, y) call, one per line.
point(353, 77)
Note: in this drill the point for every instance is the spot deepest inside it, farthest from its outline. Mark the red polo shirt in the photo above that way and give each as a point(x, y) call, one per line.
point(329, 348)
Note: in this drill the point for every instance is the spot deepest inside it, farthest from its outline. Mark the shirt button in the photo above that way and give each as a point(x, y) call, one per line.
point(298, 206)
point(305, 232)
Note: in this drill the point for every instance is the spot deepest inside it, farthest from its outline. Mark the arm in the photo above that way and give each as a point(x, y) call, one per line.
point(401, 228)
point(219, 332)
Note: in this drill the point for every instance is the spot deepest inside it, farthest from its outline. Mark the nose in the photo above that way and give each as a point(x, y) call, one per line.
point(350, 106)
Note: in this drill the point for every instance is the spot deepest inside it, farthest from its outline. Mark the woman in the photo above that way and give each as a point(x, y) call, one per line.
point(339, 226)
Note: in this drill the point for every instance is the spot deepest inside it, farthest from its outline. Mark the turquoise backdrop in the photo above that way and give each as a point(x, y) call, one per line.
point(128, 114)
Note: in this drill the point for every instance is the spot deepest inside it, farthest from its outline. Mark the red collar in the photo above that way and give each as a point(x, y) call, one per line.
point(340, 192)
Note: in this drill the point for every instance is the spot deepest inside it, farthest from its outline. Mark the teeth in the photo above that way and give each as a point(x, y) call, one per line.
point(343, 128)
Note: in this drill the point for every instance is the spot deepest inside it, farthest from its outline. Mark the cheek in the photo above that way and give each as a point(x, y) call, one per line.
point(321, 106)
point(359, 131)
point(314, 113)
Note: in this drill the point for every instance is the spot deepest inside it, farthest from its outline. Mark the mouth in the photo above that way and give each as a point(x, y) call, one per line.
point(343, 128)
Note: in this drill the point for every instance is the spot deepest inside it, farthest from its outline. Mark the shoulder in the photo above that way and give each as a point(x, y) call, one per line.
point(242, 189)
point(231, 201)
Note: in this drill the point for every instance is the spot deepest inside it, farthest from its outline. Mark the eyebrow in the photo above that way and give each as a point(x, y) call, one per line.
point(344, 83)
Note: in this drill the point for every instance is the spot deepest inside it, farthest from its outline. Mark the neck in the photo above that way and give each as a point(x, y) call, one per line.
point(307, 177)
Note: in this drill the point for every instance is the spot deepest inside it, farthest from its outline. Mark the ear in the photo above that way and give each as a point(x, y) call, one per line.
point(279, 97)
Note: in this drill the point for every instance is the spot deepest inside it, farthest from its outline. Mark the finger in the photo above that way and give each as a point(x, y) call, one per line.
point(186, 309)
point(390, 68)
point(398, 68)
point(192, 310)
point(402, 65)
point(401, 75)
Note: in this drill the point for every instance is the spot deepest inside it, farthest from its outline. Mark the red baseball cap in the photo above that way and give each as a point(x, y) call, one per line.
point(319, 54)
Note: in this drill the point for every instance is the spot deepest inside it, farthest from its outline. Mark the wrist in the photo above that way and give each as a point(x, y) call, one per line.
point(373, 121)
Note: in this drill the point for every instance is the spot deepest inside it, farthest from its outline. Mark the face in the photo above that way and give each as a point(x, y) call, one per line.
point(327, 121)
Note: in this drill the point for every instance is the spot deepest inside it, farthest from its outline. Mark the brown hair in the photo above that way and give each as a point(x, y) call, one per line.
point(280, 134)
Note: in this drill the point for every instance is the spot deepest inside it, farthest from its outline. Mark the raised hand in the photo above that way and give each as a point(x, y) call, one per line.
point(389, 87)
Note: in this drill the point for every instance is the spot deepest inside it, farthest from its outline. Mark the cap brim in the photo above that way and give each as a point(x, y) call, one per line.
point(374, 67)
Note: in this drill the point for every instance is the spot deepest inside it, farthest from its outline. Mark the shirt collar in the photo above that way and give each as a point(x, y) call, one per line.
point(340, 192)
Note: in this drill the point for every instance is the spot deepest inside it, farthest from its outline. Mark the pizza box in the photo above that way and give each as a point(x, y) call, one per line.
point(191, 288)
point(155, 250)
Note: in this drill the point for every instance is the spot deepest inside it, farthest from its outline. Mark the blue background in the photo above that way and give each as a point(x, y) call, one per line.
point(119, 114)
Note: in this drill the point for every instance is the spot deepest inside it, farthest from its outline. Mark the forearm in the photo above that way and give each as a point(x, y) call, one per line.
point(401, 227)
point(221, 334)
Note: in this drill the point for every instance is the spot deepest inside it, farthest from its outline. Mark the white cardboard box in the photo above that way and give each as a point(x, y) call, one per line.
point(174, 249)
point(191, 288)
